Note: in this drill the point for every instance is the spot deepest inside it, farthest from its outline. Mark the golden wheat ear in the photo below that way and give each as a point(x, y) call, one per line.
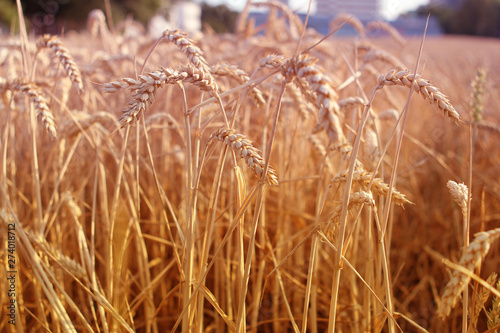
point(244, 149)
point(187, 46)
point(62, 54)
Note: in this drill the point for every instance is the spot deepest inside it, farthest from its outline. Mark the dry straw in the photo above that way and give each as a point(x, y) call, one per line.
point(471, 259)
point(62, 54)
point(244, 149)
point(398, 77)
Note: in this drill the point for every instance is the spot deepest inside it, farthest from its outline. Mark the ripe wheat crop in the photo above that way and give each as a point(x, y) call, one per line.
point(255, 182)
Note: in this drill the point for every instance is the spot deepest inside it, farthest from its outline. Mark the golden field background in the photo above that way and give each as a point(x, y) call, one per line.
point(117, 230)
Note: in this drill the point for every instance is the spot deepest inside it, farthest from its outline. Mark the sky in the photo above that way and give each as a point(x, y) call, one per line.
point(391, 8)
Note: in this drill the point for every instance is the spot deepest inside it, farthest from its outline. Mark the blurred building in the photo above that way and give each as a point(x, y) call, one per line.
point(363, 9)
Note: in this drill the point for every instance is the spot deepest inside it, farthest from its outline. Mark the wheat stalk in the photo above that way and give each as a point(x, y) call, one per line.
point(145, 91)
point(304, 67)
point(147, 85)
point(70, 127)
point(296, 24)
point(96, 22)
point(200, 78)
point(320, 149)
point(460, 194)
point(41, 105)
point(350, 102)
point(489, 126)
point(494, 312)
point(477, 104)
point(299, 102)
point(363, 178)
point(244, 148)
point(422, 86)
point(240, 76)
point(471, 259)
point(481, 298)
point(356, 198)
point(384, 26)
point(273, 61)
point(60, 52)
point(352, 20)
point(193, 52)
point(380, 55)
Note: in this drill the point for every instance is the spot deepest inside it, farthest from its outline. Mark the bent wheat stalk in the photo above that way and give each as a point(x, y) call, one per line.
point(422, 86)
point(240, 76)
point(41, 105)
point(62, 54)
point(244, 149)
point(471, 259)
point(364, 178)
point(147, 85)
point(193, 52)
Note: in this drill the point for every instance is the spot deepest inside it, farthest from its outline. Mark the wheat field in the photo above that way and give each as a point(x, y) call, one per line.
point(205, 183)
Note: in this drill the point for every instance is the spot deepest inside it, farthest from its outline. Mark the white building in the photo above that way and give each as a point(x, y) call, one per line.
point(186, 15)
point(362, 9)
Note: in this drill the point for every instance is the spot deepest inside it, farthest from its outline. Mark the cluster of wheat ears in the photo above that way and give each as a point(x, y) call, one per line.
point(266, 180)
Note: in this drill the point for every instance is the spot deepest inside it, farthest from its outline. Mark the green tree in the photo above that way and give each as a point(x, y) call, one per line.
point(219, 18)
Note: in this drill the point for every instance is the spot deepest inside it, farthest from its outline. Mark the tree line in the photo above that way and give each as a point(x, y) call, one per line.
point(473, 17)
